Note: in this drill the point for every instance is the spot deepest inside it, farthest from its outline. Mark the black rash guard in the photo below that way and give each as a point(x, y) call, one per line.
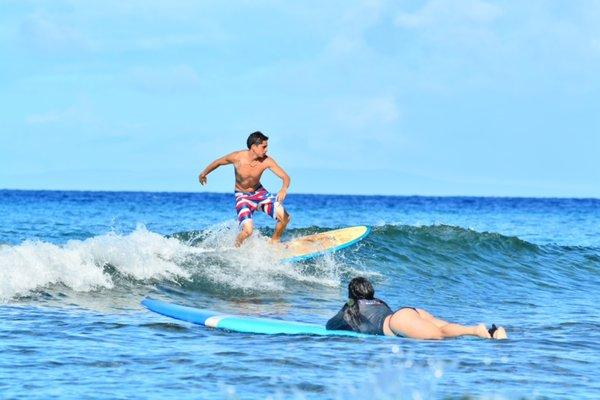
point(372, 316)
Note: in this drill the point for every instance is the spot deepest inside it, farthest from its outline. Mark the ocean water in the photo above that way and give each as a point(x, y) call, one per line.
point(75, 265)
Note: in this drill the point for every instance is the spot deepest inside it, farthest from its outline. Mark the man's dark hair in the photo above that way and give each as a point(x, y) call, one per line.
point(256, 138)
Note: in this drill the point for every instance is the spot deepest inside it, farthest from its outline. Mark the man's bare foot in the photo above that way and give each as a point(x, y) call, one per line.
point(278, 244)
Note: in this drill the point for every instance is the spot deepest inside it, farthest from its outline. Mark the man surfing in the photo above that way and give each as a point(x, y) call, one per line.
point(250, 195)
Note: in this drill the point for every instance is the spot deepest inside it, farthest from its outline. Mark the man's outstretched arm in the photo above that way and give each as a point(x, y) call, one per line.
point(277, 170)
point(228, 159)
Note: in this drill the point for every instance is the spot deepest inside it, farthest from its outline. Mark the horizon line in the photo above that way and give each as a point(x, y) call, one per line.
point(305, 193)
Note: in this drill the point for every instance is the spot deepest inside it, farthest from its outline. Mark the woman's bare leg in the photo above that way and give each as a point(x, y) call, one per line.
point(422, 325)
point(436, 321)
point(453, 330)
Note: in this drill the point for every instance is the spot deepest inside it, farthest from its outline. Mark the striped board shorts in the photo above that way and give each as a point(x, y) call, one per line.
point(248, 202)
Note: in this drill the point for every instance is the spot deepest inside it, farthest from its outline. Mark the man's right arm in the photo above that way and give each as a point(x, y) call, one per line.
point(228, 159)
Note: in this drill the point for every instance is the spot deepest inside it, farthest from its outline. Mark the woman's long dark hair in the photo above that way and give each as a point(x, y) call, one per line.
point(359, 288)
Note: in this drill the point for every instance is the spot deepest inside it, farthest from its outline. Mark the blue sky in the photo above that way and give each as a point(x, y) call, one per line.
point(439, 97)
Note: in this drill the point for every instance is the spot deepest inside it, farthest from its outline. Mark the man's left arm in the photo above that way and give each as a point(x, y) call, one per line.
point(277, 170)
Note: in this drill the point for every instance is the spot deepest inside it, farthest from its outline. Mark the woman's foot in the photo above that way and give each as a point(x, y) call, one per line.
point(494, 332)
point(500, 334)
point(482, 332)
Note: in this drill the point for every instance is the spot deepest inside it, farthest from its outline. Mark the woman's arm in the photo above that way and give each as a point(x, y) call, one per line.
point(337, 323)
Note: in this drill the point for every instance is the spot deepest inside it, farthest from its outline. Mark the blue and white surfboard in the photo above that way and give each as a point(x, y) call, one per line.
point(235, 323)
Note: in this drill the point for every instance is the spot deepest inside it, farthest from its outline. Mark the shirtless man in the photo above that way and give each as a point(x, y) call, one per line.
point(250, 195)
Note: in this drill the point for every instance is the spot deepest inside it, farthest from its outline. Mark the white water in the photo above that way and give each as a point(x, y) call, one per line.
point(79, 265)
point(143, 255)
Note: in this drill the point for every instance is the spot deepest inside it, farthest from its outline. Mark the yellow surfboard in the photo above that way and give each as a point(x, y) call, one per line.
point(306, 247)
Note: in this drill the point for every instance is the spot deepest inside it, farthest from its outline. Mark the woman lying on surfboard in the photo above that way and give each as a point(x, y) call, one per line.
point(367, 314)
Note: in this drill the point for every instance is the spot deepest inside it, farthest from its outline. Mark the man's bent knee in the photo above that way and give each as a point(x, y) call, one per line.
point(281, 214)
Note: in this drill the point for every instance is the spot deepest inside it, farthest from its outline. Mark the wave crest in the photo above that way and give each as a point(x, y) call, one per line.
point(81, 265)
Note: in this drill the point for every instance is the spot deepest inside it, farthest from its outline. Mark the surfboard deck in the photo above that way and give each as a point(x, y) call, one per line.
point(213, 319)
point(307, 247)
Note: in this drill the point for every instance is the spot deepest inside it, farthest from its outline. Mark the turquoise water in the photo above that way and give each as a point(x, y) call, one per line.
point(75, 265)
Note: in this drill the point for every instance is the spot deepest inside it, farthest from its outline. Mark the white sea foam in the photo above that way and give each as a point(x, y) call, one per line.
point(79, 265)
point(143, 255)
point(256, 265)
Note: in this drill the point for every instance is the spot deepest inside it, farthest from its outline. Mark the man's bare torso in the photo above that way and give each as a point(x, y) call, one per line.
point(248, 171)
